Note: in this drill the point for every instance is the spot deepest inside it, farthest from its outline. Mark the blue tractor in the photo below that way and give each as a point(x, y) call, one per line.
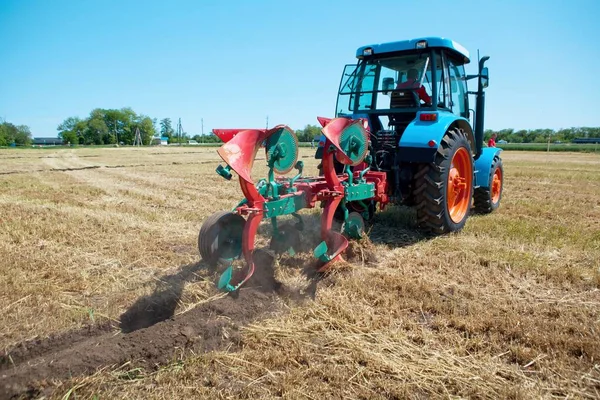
point(414, 97)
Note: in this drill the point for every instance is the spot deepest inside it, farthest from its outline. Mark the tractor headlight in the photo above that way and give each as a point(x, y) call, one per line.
point(368, 51)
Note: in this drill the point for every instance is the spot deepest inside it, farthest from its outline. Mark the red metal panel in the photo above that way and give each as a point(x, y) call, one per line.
point(227, 134)
point(333, 132)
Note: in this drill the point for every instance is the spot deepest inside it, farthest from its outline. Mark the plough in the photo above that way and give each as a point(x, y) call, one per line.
point(225, 236)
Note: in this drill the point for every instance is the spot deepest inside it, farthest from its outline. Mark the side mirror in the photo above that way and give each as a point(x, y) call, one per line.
point(485, 77)
point(387, 85)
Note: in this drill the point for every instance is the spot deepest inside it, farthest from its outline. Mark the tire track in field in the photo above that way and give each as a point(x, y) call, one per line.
point(159, 183)
point(150, 333)
point(27, 370)
point(63, 169)
point(118, 188)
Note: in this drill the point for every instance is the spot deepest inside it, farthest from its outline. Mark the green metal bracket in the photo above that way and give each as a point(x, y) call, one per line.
point(285, 206)
point(348, 171)
point(299, 166)
point(359, 191)
point(225, 279)
point(261, 187)
point(300, 223)
point(345, 209)
point(276, 231)
point(320, 252)
point(368, 160)
point(224, 172)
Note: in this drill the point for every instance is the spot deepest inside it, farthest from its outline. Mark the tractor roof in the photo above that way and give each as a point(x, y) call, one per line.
point(411, 44)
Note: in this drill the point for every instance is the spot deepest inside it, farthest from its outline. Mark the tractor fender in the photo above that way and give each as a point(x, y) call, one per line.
point(414, 143)
point(483, 166)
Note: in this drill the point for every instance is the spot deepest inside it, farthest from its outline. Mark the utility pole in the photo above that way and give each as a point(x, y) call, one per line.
point(202, 122)
point(138, 137)
point(179, 131)
point(267, 122)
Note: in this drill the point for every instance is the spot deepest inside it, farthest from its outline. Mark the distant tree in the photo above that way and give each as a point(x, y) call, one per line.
point(147, 130)
point(10, 133)
point(23, 135)
point(97, 131)
point(308, 133)
point(165, 128)
point(68, 130)
point(3, 135)
point(211, 138)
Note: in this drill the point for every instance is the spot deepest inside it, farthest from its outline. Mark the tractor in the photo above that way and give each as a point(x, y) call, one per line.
point(401, 134)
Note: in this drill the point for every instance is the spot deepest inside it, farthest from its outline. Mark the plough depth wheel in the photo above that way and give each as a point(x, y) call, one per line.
point(220, 238)
point(354, 226)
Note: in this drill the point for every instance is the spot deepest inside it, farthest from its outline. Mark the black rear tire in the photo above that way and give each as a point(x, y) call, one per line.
point(433, 214)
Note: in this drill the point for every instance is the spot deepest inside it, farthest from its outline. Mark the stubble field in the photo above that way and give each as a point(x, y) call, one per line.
point(103, 293)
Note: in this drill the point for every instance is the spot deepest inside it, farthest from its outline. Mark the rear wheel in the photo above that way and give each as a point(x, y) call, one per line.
point(487, 200)
point(444, 188)
point(220, 237)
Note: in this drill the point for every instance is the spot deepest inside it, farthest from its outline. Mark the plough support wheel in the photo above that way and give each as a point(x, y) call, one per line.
point(354, 227)
point(220, 238)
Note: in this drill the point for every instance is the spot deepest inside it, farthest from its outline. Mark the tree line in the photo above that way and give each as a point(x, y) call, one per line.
point(18, 135)
point(510, 135)
point(542, 135)
point(173, 136)
point(112, 126)
point(119, 126)
point(107, 126)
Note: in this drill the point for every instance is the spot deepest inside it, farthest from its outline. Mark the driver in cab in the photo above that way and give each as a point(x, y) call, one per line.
point(412, 82)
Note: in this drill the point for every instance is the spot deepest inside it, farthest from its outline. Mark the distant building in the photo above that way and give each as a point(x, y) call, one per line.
point(586, 140)
point(47, 141)
point(162, 141)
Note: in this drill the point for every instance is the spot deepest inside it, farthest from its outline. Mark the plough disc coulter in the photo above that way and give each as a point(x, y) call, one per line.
point(227, 236)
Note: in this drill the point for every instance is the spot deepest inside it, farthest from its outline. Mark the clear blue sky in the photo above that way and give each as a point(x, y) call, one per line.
point(232, 63)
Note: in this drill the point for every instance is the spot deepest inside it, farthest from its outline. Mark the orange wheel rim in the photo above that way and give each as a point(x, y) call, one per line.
point(460, 182)
point(496, 186)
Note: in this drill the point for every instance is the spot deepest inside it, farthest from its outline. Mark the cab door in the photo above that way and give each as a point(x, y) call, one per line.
point(346, 91)
point(459, 100)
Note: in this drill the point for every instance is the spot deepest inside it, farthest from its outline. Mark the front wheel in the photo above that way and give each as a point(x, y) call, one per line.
point(444, 188)
point(487, 200)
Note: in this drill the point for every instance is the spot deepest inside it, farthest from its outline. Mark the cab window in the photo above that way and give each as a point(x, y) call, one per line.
point(441, 80)
point(458, 89)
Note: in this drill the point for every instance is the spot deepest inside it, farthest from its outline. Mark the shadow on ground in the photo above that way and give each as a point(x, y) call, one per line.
point(161, 304)
point(149, 334)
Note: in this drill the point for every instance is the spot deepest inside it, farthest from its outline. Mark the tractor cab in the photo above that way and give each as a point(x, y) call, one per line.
point(394, 83)
point(411, 92)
